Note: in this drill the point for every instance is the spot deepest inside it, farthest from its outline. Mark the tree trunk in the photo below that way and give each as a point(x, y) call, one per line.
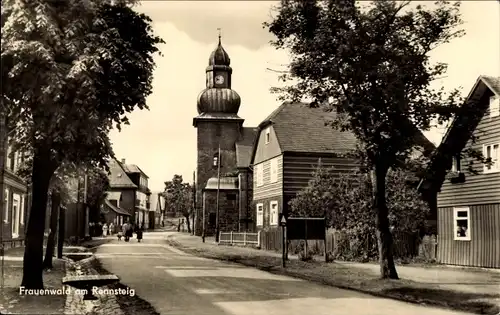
point(33, 252)
point(384, 236)
point(188, 224)
point(51, 242)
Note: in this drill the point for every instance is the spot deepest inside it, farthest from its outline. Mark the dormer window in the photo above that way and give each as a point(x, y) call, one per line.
point(268, 135)
point(494, 106)
point(455, 164)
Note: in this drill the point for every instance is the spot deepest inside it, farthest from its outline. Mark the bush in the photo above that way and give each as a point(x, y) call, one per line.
point(346, 201)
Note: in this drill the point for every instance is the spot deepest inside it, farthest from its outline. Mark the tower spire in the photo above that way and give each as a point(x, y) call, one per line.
point(220, 30)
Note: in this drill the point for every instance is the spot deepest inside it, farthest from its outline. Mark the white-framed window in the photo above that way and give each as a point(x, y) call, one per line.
point(260, 174)
point(461, 224)
point(494, 106)
point(260, 214)
point(274, 170)
point(6, 206)
point(268, 135)
point(23, 204)
point(455, 164)
point(492, 151)
point(8, 162)
point(16, 200)
point(273, 213)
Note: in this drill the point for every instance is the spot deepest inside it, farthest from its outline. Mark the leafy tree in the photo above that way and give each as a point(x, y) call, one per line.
point(370, 64)
point(71, 70)
point(344, 200)
point(179, 197)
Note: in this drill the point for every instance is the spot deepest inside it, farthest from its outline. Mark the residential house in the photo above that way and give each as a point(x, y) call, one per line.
point(469, 202)
point(143, 215)
point(223, 148)
point(14, 198)
point(119, 206)
point(157, 207)
point(290, 144)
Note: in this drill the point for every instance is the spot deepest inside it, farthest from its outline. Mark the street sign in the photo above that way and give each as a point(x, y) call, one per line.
point(283, 221)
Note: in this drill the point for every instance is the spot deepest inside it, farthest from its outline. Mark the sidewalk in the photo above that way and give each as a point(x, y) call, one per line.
point(461, 289)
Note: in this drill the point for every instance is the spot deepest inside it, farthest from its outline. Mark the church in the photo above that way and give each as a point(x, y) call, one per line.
point(224, 148)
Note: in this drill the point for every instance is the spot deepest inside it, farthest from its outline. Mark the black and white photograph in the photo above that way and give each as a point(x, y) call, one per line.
point(246, 157)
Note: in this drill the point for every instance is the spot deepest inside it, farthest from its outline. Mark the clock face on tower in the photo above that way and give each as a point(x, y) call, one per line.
point(219, 79)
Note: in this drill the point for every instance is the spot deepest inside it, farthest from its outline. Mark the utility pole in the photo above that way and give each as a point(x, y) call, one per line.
point(218, 192)
point(3, 151)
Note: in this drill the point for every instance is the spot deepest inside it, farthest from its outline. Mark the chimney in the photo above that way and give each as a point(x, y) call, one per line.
point(123, 161)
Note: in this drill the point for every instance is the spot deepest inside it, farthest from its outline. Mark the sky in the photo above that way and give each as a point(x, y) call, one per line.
point(162, 140)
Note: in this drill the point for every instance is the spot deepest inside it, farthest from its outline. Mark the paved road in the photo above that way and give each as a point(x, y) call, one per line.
point(181, 284)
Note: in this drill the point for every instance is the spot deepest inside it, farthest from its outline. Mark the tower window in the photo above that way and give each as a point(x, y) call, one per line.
point(217, 130)
point(216, 160)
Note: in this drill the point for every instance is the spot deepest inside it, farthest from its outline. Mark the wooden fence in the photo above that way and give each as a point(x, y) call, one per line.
point(341, 245)
point(239, 238)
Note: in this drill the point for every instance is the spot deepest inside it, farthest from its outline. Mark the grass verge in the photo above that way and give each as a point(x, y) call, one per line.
point(130, 305)
point(348, 277)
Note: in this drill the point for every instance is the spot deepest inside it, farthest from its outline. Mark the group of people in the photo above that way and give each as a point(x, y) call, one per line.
point(102, 229)
point(127, 232)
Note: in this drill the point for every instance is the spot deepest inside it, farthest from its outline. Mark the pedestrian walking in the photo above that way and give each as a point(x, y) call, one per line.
point(105, 230)
point(139, 234)
point(111, 228)
point(125, 231)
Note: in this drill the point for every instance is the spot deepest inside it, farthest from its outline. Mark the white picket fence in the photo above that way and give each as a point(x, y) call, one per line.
point(239, 238)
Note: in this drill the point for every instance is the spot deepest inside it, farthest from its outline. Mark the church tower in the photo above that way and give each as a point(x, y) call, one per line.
point(218, 125)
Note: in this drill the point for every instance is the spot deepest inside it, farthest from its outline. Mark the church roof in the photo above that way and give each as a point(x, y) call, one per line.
point(300, 128)
point(244, 146)
point(226, 183)
point(219, 56)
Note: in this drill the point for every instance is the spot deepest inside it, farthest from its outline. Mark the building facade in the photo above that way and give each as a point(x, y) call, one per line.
point(121, 195)
point(469, 202)
point(143, 215)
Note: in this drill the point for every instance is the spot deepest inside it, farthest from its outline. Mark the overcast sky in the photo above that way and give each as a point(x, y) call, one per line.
point(162, 141)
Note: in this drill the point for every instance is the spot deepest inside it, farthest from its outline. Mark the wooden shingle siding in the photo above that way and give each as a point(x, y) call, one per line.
point(481, 188)
point(298, 170)
point(269, 189)
point(483, 250)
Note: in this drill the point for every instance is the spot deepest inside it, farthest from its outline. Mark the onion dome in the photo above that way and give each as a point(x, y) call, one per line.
point(219, 100)
point(219, 56)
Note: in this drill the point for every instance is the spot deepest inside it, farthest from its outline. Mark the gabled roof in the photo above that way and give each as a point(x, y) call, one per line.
point(132, 168)
point(300, 128)
point(118, 177)
point(459, 132)
point(244, 146)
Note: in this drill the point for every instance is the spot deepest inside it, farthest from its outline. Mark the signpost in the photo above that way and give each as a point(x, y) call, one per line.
point(283, 226)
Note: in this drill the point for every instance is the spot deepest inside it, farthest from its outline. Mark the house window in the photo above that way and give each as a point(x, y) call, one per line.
point(455, 165)
point(268, 135)
point(494, 106)
point(491, 152)
point(273, 217)
point(260, 174)
point(6, 206)
point(10, 159)
point(260, 214)
point(21, 220)
point(274, 170)
point(461, 224)
point(16, 199)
